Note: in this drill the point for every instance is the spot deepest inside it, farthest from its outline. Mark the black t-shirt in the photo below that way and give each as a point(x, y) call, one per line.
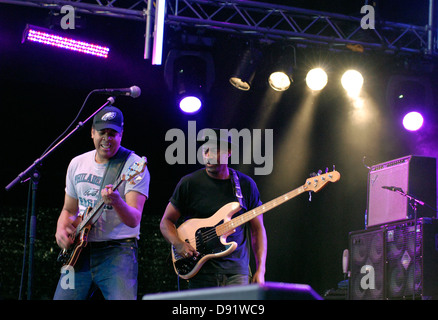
point(197, 195)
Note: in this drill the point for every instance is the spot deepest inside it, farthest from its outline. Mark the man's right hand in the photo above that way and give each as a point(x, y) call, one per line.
point(64, 229)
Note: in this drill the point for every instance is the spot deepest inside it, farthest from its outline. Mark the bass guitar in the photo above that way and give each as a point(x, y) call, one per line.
point(69, 257)
point(208, 236)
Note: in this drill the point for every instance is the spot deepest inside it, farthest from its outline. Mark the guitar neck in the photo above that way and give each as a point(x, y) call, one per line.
point(249, 215)
point(95, 209)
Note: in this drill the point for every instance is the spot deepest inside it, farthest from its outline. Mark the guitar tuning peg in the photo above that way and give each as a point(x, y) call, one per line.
point(326, 169)
point(312, 174)
point(334, 168)
point(319, 172)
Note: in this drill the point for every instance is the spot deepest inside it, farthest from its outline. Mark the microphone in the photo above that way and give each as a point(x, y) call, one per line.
point(392, 188)
point(133, 91)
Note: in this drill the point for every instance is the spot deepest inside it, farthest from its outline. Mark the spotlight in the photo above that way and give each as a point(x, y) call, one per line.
point(245, 72)
point(190, 80)
point(411, 99)
point(47, 37)
point(352, 82)
point(413, 121)
point(190, 104)
point(282, 77)
point(279, 81)
point(316, 79)
point(189, 75)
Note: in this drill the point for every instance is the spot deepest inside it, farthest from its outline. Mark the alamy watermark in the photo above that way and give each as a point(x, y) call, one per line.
point(368, 280)
point(68, 20)
point(255, 147)
point(68, 277)
point(369, 19)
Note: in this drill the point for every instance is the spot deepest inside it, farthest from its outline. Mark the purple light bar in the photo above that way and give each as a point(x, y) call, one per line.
point(44, 37)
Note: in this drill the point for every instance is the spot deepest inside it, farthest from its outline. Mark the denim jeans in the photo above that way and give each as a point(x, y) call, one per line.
point(217, 280)
point(112, 268)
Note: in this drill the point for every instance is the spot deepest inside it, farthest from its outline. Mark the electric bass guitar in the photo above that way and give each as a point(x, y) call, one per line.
point(69, 257)
point(208, 236)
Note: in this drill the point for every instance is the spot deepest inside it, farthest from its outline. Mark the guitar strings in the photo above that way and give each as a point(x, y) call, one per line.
point(211, 234)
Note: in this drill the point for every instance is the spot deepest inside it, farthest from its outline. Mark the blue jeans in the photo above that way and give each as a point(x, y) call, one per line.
point(112, 268)
point(217, 280)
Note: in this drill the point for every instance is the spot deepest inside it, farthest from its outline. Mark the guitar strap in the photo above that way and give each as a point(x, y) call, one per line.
point(112, 172)
point(237, 189)
point(239, 196)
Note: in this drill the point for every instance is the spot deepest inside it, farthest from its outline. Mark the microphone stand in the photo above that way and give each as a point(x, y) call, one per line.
point(32, 173)
point(413, 202)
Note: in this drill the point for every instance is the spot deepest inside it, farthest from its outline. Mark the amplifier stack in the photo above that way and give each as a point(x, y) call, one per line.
point(396, 256)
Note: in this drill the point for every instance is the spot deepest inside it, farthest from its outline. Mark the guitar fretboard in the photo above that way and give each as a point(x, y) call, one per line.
point(249, 215)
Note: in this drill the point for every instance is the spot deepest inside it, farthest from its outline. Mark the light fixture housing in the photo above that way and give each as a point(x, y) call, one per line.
point(189, 76)
point(244, 74)
point(280, 80)
point(281, 77)
point(48, 37)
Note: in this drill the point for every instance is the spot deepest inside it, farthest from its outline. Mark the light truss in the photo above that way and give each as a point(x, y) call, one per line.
point(266, 21)
point(125, 9)
point(276, 22)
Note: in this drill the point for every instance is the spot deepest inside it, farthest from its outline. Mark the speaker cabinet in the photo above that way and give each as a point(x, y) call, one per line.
point(416, 176)
point(412, 260)
point(395, 261)
point(367, 265)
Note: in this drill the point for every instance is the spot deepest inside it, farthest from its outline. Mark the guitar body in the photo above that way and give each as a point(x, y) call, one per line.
point(69, 257)
point(201, 234)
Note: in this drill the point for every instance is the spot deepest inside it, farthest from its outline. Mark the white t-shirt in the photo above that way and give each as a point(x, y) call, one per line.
point(83, 182)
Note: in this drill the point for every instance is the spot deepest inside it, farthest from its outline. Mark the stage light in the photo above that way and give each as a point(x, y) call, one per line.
point(189, 76)
point(190, 104)
point(48, 37)
point(316, 79)
point(411, 99)
point(352, 82)
point(413, 121)
point(190, 80)
point(279, 81)
point(245, 72)
point(282, 76)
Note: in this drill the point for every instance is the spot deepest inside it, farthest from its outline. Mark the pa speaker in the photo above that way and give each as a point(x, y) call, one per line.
point(414, 175)
point(267, 291)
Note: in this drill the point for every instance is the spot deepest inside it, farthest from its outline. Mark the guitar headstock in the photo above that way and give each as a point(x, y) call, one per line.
point(318, 182)
point(134, 170)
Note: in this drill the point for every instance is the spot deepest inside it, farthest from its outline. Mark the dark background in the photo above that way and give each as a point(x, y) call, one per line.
point(42, 90)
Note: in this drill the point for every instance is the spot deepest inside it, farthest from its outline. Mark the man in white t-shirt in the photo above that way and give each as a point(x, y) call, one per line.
point(109, 260)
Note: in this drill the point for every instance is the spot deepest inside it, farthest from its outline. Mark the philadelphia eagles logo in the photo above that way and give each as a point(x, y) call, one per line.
point(109, 116)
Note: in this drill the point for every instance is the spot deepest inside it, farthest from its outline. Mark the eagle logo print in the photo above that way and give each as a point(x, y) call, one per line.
point(109, 116)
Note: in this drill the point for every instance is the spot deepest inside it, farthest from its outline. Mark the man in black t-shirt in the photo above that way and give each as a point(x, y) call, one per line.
point(201, 195)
